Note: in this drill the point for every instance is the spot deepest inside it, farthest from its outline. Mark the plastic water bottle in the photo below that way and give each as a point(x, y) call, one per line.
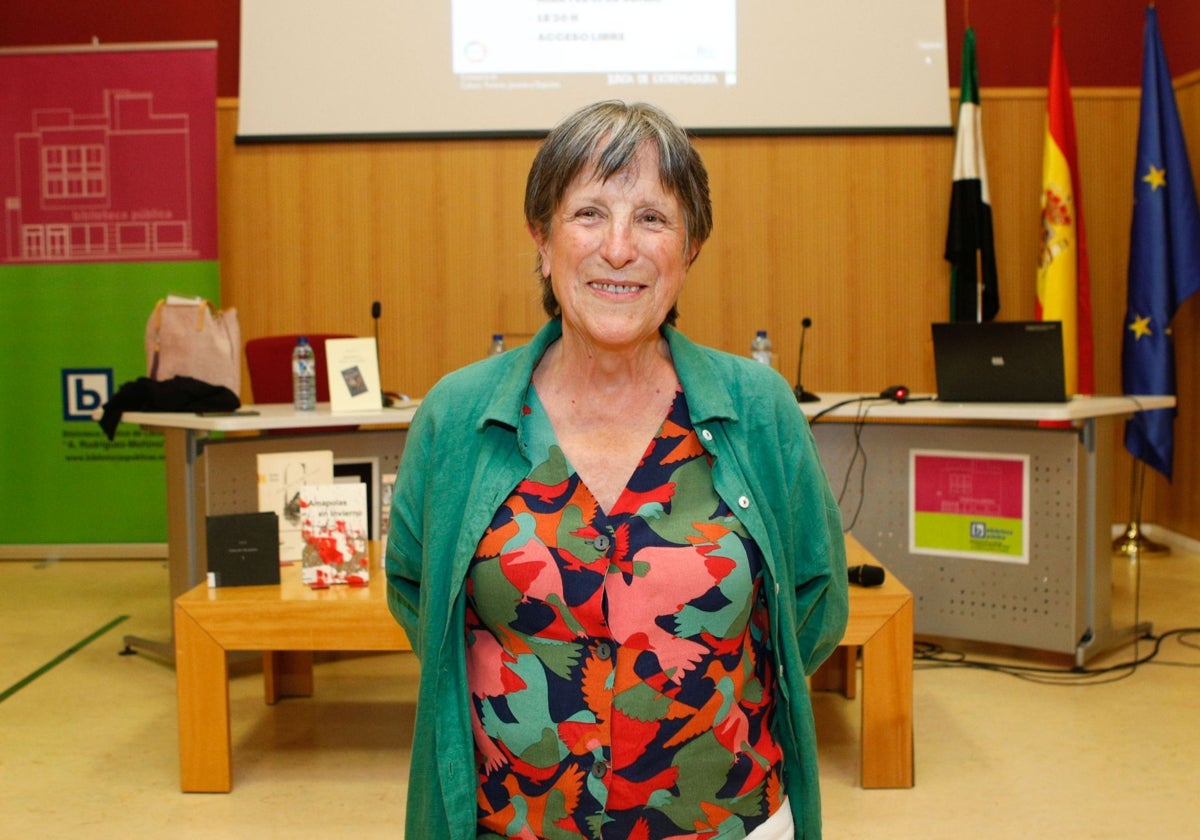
point(497, 346)
point(761, 349)
point(304, 376)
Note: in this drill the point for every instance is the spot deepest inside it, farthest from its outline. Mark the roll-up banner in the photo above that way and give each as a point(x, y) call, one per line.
point(108, 184)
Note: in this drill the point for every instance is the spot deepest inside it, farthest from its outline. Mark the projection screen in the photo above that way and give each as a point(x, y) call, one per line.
point(361, 69)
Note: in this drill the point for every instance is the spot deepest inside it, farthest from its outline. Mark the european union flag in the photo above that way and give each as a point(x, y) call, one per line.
point(1164, 255)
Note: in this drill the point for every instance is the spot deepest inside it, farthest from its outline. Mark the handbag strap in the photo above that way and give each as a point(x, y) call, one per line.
point(157, 332)
point(158, 318)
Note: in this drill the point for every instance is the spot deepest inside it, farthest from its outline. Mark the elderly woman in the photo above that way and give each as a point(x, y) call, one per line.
point(615, 551)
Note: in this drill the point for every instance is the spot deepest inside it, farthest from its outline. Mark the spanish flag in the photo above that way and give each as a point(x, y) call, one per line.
point(1063, 283)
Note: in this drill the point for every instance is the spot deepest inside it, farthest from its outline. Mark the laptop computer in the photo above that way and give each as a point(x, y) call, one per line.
point(999, 361)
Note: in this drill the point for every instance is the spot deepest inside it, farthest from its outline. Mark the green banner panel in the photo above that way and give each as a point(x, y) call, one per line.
point(70, 335)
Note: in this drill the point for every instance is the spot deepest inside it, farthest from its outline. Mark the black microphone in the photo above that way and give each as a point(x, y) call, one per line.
point(376, 310)
point(801, 394)
point(866, 575)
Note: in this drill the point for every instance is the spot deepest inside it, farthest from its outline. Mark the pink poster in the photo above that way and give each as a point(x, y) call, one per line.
point(973, 505)
point(122, 168)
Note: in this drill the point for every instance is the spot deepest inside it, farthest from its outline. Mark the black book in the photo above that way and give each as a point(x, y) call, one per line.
point(243, 549)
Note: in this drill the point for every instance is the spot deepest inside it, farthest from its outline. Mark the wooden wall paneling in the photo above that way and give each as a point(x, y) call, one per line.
point(848, 231)
point(312, 234)
point(799, 231)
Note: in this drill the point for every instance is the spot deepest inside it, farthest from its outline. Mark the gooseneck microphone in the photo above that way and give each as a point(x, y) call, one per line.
point(866, 575)
point(389, 398)
point(801, 394)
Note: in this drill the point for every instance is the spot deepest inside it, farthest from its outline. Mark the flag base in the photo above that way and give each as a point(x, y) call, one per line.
point(1133, 544)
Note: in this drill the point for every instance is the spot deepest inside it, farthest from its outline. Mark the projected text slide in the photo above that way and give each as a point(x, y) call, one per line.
point(552, 37)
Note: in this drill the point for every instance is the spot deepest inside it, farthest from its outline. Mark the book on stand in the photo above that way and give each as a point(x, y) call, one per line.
point(352, 365)
point(336, 535)
point(280, 477)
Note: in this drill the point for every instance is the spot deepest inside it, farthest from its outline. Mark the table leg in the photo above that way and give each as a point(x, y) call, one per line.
point(287, 673)
point(887, 704)
point(180, 450)
point(838, 673)
point(202, 683)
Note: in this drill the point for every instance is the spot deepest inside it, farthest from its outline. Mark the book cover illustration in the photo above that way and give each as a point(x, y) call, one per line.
point(336, 535)
point(280, 477)
point(353, 370)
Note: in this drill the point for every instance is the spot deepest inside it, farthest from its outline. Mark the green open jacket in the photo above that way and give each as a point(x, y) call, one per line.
point(461, 460)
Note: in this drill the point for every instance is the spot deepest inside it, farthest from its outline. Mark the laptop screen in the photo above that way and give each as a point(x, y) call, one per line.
point(999, 361)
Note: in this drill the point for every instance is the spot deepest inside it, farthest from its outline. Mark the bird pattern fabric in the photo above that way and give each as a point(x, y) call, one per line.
point(619, 662)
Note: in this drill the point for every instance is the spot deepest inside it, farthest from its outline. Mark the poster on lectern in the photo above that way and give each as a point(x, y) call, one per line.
point(973, 505)
point(108, 183)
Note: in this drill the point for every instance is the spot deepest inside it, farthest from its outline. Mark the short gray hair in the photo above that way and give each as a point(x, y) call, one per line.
point(624, 129)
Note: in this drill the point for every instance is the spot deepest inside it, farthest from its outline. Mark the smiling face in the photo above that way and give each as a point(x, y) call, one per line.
point(616, 253)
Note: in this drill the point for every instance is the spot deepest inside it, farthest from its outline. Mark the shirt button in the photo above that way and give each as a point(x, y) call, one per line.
point(743, 502)
point(706, 434)
point(600, 769)
point(601, 542)
point(603, 650)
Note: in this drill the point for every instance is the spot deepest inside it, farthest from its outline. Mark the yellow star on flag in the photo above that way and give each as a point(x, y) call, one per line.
point(1140, 326)
point(1155, 178)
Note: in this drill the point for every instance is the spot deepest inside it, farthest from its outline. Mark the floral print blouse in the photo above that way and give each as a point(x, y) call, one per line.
point(619, 662)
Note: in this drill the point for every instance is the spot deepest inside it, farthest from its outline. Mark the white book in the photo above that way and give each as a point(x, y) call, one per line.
point(280, 477)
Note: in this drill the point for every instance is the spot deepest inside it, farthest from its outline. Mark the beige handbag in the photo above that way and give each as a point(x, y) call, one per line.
point(191, 337)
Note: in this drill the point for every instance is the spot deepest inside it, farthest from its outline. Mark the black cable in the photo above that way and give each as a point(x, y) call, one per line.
point(1183, 641)
point(939, 657)
point(838, 405)
point(860, 423)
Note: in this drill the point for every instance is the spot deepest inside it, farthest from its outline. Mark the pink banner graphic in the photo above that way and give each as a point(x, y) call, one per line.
point(980, 486)
point(121, 169)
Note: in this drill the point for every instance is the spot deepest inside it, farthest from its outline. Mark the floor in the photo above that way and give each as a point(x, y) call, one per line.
point(88, 737)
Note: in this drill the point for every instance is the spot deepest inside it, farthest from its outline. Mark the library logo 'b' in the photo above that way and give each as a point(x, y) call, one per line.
point(85, 391)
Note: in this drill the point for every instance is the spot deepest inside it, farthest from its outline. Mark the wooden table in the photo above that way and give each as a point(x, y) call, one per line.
point(881, 625)
point(289, 621)
point(192, 442)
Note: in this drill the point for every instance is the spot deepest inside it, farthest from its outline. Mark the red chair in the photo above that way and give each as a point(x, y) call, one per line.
point(269, 360)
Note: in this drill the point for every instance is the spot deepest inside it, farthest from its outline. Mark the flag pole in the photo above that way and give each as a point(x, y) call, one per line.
point(1133, 543)
point(978, 252)
point(978, 285)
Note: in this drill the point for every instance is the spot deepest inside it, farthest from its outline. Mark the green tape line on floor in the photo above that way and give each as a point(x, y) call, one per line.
point(62, 657)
